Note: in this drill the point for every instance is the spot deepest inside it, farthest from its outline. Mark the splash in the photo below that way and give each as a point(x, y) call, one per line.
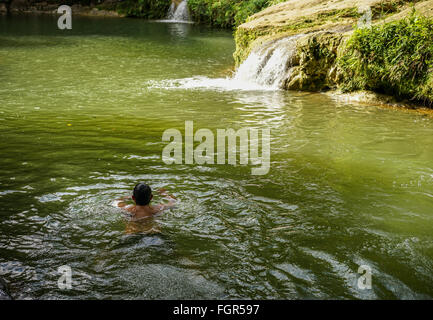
point(205, 83)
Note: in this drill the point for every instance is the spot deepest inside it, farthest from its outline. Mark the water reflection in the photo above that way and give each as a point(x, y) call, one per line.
point(145, 226)
point(179, 30)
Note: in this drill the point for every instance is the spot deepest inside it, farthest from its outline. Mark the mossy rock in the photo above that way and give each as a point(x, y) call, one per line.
point(328, 27)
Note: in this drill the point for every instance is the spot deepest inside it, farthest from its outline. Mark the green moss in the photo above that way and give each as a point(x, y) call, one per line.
point(243, 39)
point(388, 7)
point(338, 14)
point(394, 58)
point(316, 55)
point(348, 16)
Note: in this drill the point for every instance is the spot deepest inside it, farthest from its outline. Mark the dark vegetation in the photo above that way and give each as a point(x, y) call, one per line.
point(226, 13)
point(149, 9)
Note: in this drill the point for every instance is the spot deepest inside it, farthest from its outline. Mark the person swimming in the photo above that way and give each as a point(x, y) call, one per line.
point(142, 196)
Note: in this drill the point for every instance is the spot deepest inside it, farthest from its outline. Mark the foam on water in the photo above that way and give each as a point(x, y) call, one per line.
point(206, 83)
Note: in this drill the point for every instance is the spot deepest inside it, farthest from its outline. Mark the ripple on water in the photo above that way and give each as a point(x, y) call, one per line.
point(157, 281)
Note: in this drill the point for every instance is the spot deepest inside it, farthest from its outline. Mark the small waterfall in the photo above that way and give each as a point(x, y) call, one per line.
point(269, 65)
point(171, 11)
point(266, 69)
point(179, 13)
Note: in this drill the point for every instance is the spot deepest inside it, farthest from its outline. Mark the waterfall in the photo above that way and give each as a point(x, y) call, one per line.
point(270, 64)
point(179, 13)
point(171, 11)
point(266, 69)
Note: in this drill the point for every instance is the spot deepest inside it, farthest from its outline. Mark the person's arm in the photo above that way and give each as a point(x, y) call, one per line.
point(124, 198)
point(171, 199)
point(165, 194)
point(121, 202)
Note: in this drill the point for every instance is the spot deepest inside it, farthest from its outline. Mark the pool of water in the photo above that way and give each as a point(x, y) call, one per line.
point(82, 113)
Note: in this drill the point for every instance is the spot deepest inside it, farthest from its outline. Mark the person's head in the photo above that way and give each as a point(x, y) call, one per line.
point(142, 194)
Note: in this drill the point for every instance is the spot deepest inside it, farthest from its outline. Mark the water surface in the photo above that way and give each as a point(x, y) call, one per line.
point(81, 119)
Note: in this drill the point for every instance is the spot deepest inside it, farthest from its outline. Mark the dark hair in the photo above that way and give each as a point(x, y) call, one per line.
point(142, 194)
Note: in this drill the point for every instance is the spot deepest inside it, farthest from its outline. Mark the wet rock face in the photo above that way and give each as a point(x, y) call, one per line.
point(318, 63)
point(4, 290)
point(316, 69)
point(306, 62)
point(177, 2)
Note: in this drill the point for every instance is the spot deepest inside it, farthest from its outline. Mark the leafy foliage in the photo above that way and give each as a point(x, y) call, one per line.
point(226, 13)
point(220, 13)
point(394, 58)
point(150, 9)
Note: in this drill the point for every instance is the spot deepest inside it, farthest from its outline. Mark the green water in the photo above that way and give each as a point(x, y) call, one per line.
point(82, 114)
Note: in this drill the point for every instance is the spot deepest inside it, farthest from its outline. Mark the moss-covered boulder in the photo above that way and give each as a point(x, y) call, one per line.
point(395, 58)
point(328, 53)
point(317, 54)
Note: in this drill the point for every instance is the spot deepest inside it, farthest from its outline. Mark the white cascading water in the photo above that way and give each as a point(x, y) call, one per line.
point(266, 68)
point(179, 13)
point(268, 65)
point(171, 11)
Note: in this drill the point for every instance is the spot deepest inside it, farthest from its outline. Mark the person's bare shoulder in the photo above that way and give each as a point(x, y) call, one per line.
point(130, 208)
point(156, 209)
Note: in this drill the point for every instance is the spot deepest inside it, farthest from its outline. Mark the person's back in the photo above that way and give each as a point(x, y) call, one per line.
point(142, 196)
